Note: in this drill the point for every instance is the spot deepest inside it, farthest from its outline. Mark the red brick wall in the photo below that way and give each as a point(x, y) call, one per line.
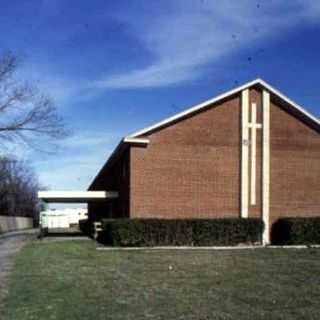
point(294, 165)
point(190, 169)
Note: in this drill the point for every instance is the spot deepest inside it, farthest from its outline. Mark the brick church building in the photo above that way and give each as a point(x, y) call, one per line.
point(250, 152)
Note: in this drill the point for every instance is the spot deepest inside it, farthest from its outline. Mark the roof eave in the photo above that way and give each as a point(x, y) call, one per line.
point(122, 145)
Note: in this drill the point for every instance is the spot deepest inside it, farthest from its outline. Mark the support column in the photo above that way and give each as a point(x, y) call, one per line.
point(266, 166)
point(254, 126)
point(244, 153)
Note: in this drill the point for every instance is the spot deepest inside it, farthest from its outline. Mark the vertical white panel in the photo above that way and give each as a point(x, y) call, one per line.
point(266, 166)
point(253, 153)
point(244, 152)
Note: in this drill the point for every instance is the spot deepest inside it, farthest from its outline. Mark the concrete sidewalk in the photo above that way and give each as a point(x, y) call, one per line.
point(65, 238)
point(18, 233)
point(105, 248)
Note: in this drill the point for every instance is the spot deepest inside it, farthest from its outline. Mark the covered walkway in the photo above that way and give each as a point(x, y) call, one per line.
point(64, 221)
point(76, 196)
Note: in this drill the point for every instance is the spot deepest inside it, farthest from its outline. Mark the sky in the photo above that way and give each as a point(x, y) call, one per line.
point(113, 67)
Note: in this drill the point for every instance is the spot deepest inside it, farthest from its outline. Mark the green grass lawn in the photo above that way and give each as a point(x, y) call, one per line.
point(71, 280)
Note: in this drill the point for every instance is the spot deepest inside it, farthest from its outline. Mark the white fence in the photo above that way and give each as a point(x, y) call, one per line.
point(15, 223)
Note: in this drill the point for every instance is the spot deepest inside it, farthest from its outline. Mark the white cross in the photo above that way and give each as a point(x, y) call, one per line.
point(253, 125)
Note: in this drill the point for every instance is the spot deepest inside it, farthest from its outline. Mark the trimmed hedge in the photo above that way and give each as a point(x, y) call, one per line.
point(179, 232)
point(294, 231)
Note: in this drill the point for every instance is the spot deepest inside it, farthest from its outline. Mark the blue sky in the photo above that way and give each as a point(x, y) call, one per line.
point(113, 67)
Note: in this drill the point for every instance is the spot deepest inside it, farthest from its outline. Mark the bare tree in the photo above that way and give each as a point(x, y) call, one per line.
point(26, 115)
point(18, 189)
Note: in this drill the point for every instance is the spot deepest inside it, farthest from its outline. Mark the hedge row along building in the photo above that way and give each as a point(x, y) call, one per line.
point(250, 152)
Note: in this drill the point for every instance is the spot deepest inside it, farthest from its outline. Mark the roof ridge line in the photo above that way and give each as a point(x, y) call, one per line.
point(217, 98)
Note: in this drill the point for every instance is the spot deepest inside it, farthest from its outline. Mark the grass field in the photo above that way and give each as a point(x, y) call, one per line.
point(71, 280)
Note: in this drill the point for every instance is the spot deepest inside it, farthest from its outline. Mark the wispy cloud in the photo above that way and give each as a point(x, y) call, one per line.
point(72, 172)
point(89, 139)
point(75, 164)
point(78, 160)
point(64, 90)
point(189, 36)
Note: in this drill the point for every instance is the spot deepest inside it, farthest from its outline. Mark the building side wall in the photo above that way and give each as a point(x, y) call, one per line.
point(115, 178)
point(190, 169)
point(294, 166)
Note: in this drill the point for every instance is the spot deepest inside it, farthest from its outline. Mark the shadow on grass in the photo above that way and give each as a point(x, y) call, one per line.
point(61, 233)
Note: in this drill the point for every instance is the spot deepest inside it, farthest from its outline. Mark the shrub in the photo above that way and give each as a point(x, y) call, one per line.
point(293, 231)
point(180, 232)
point(86, 227)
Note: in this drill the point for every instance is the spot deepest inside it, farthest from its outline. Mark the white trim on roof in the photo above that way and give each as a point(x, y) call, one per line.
point(136, 140)
point(289, 101)
point(220, 97)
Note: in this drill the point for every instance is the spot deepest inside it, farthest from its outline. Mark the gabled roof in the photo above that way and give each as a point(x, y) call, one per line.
point(227, 94)
point(137, 138)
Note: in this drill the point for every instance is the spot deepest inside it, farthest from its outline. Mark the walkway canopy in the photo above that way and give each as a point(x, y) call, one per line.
point(76, 196)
